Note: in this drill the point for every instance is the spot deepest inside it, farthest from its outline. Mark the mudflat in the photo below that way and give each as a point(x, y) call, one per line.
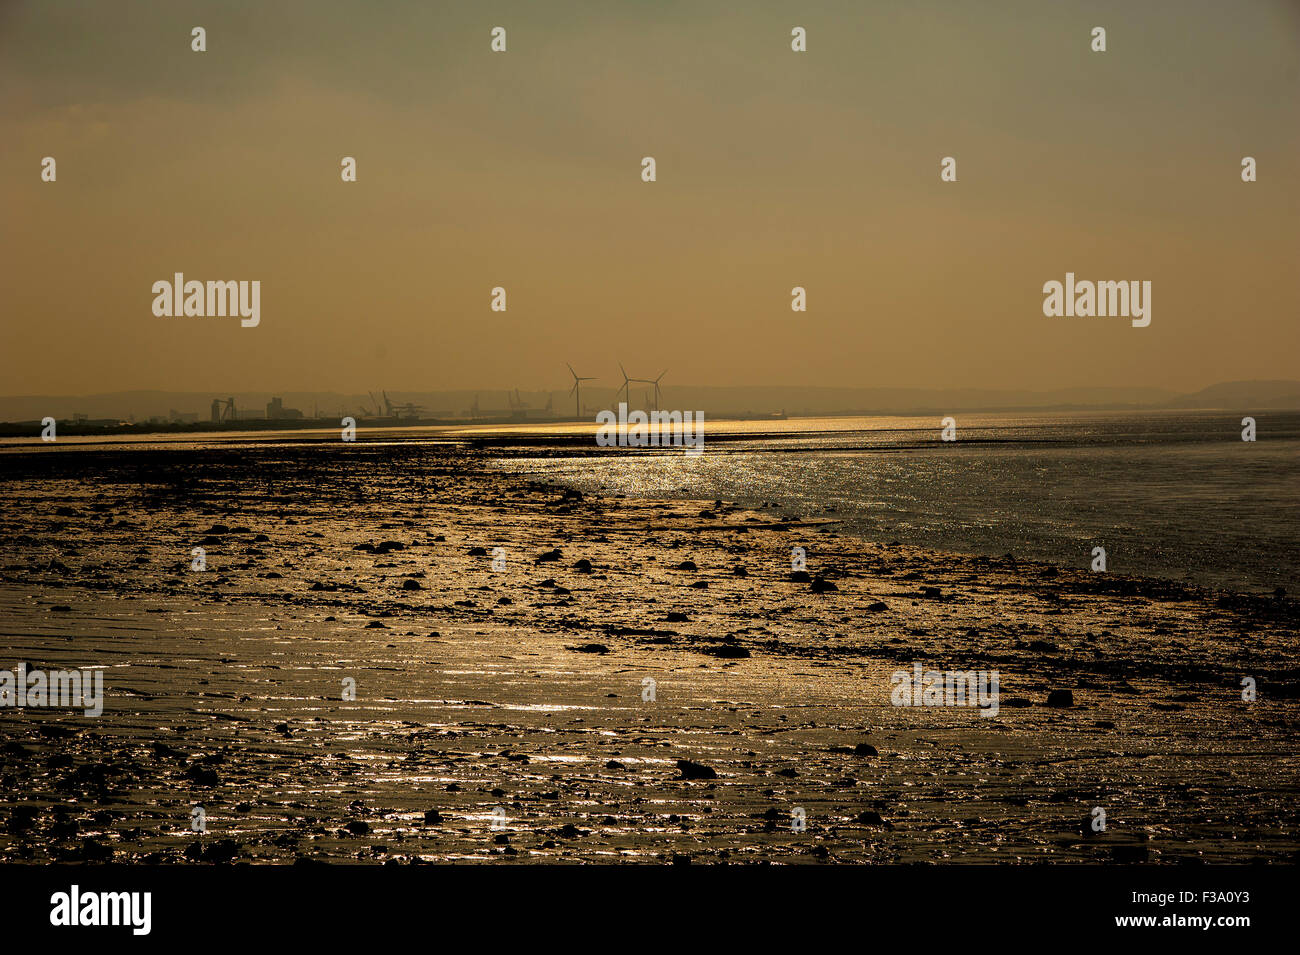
point(401, 653)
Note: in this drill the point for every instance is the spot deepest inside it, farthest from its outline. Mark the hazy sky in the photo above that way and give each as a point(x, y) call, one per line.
point(522, 170)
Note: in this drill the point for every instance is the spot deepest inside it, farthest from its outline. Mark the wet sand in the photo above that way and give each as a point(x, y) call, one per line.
point(520, 691)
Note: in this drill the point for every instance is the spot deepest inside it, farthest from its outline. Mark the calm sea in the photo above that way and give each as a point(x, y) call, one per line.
point(1177, 495)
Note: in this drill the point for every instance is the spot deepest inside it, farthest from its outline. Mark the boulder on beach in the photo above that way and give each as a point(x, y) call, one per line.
point(728, 651)
point(1060, 699)
point(202, 776)
point(693, 770)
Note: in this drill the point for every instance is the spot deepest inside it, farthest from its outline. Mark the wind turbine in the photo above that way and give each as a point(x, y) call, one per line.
point(576, 390)
point(656, 384)
point(625, 386)
point(644, 381)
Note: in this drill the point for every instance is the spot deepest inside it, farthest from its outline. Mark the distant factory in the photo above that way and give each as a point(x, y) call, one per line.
point(276, 411)
point(223, 409)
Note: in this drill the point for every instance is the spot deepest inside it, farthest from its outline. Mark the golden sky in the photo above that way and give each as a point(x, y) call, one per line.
point(522, 170)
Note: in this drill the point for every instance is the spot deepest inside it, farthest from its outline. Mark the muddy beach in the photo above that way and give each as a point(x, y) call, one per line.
point(400, 653)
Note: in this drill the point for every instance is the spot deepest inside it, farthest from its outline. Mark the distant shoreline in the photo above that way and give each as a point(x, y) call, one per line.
point(507, 427)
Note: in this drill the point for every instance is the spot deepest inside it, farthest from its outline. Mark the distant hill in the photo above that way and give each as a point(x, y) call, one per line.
point(1244, 396)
